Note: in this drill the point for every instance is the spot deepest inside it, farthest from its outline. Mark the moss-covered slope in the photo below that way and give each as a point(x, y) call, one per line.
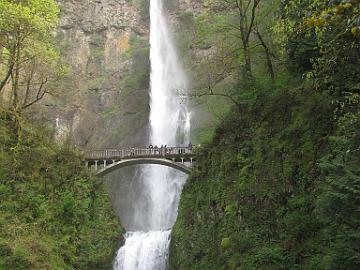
point(53, 214)
point(272, 190)
point(278, 187)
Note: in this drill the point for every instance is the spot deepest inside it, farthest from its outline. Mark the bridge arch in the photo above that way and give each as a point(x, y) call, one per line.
point(107, 160)
point(137, 161)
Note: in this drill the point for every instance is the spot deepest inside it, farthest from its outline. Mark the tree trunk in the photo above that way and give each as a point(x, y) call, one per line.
point(247, 66)
point(11, 64)
point(7, 76)
point(245, 31)
point(268, 55)
point(15, 85)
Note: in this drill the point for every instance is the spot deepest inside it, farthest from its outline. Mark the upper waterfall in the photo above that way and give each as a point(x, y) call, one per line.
point(168, 113)
point(169, 125)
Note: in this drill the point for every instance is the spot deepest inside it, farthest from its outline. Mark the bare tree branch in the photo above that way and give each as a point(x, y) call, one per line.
point(40, 94)
point(28, 84)
point(267, 52)
point(252, 19)
point(7, 76)
point(212, 93)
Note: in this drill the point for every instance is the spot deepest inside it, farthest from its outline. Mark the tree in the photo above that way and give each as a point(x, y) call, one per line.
point(237, 31)
point(29, 60)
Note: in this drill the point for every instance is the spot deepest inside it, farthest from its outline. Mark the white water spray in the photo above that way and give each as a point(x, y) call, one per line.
point(170, 125)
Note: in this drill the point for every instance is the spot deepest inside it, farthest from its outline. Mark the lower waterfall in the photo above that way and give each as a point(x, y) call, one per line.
point(144, 250)
point(170, 125)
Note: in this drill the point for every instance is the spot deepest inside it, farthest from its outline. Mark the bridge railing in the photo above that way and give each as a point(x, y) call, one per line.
point(138, 152)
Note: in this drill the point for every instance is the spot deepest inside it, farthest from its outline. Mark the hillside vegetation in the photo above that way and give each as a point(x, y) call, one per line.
point(278, 186)
point(53, 213)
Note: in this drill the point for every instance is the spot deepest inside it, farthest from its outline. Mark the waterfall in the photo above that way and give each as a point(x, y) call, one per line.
point(170, 125)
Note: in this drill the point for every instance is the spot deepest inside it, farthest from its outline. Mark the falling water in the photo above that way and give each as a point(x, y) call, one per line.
point(170, 125)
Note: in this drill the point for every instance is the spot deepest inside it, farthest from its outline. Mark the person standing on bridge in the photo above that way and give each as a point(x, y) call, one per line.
point(151, 147)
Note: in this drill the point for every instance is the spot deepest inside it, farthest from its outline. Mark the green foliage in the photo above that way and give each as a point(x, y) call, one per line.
point(110, 112)
point(37, 17)
point(252, 184)
point(53, 214)
point(95, 84)
point(339, 203)
point(30, 63)
point(143, 7)
point(277, 186)
point(225, 243)
point(138, 77)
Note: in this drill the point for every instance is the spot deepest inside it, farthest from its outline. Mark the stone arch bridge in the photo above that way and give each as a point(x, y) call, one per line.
point(108, 160)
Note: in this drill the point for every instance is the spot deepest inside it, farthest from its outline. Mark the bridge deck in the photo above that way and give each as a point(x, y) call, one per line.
point(173, 153)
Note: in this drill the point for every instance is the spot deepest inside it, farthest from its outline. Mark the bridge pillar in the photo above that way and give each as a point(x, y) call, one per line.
point(96, 165)
point(182, 160)
point(104, 163)
point(87, 164)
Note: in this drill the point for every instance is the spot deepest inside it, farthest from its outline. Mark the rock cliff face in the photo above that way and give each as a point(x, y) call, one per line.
point(99, 108)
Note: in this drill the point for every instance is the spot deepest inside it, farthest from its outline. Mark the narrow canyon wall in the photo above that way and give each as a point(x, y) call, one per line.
point(103, 43)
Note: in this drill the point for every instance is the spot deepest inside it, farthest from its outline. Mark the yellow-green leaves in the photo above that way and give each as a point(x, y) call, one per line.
point(225, 243)
point(40, 16)
point(29, 56)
